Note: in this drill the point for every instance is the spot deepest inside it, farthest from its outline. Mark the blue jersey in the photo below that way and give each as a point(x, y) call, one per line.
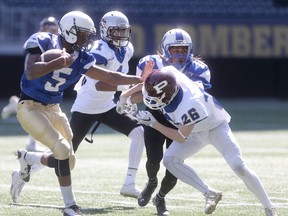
point(195, 69)
point(49, 88)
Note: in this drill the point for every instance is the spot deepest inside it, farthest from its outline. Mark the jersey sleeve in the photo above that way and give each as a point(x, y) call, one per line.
point(142, 62)
point(198, 71)
point(42, 40)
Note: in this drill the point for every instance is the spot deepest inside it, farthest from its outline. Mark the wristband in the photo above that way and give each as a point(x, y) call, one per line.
point(182, 135)
point(122, 87)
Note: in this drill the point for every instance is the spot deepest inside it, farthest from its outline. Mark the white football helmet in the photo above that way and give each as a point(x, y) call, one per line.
point(176, 37)
point(160, 88)
point(73, 27)
point(115, 29)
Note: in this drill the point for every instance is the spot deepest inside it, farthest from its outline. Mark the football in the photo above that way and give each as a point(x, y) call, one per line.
point(50, 55)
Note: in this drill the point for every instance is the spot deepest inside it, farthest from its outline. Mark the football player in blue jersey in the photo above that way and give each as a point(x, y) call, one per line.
point(95, 99)
point(47, 24)
point(42, 86)
point(199, 120)
point(177, 50)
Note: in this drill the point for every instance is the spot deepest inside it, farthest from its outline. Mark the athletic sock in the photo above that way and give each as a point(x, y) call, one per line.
point(33, 158)
point(160, 195)
point(68, 196)
point(130, 176)
point(153, 181)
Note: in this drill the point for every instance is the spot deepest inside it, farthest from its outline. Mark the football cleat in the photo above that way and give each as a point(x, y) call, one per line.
point(130, 191)
point(270, 211)
point(24, 167)
point(73, 210)
point(16, 185)
point(160, 206)
point(212, 198)
point(10, 108)
point(146, 194)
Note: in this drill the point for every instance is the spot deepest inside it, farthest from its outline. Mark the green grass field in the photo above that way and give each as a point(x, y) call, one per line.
point(261, 128)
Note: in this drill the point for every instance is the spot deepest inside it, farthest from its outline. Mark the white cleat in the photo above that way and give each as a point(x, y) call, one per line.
point(270, 211)
point(16, 185)
point(73, 210)
point(10, 108)
point(212, 198)
point(130, 191)
point(24, 167)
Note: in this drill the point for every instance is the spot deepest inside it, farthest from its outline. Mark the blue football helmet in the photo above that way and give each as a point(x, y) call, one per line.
point(174, 38)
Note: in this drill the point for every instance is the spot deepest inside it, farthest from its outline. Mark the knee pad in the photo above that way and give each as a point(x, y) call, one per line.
point(62, 149)
point(62, 168)
point(168, 161)
point(72, 161)
point(136, 133)
point(241, 170)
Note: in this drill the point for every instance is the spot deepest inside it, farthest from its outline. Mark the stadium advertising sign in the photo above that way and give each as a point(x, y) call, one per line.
point(236, 40)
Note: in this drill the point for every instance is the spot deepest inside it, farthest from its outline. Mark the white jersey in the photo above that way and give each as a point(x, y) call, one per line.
point(192, 105)
point(89, 100)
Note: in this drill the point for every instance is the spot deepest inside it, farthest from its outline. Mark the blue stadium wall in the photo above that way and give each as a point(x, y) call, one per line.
point(247, 56)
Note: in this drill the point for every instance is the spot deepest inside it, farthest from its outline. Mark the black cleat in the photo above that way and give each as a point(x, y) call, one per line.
point(146, 194)
point(160, 206)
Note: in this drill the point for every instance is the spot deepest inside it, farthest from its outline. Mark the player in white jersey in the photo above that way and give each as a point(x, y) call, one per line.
point(177, 50)
point(95, 99)
point(199, 120)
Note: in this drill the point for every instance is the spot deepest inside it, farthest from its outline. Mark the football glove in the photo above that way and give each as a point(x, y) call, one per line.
point(145, 118)
point(124, 105)
point(120, 106)
point(132, 109)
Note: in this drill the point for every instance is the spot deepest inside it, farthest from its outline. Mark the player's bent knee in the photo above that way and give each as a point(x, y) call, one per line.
point(136, 133)
point(72, 161)
point(62, 150)
point(241, 170)
point(168, 161)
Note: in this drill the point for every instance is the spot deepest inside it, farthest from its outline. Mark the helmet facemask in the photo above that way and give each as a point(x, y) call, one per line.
point(119, 36)
point(85, 38)
point(178, 56)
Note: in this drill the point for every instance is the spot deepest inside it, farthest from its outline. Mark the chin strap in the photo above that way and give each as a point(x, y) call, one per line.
point(92, 132)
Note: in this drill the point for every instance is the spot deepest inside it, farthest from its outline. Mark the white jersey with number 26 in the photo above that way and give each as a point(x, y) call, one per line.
point(193, 105)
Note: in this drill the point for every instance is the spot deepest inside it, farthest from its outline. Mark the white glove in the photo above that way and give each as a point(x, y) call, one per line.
point(120, 106)
point(124, 105)
point(132, 109)
point(146, 118)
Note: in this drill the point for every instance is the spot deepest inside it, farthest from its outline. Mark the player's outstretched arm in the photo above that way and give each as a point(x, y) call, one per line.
point(111, 77)
point(116, 78)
